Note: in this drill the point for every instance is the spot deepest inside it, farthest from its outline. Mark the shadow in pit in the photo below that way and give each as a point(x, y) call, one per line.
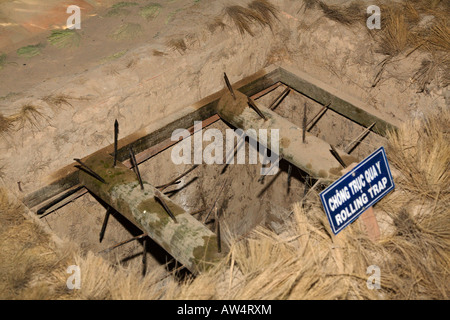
point(157, 252)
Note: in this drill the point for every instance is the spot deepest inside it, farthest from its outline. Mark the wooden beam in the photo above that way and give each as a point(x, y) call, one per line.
point(140, 157)
point(313, 156)
point(185, 238)
point(338, 101)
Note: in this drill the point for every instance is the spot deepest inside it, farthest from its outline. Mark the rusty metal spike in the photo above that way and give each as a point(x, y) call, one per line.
point(135, 166)
point(317, 117)
point(105, 222)
point(253, 105)
point(116, 137)
point(280, 98)
point(175, 181)
point(123, 242)
point(352, 145)
point(169, 212)
point(304, 124)
point(337, 156)
point(89, 170)
point(229, 86)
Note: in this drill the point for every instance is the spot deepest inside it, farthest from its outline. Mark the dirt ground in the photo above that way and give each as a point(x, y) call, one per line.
point(170, 61)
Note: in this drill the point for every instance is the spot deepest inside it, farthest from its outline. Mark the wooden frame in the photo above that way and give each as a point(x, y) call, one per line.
point(155, 137)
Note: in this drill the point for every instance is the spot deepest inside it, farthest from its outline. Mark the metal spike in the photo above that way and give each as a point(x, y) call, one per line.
point(280, 99)
point(116, 137)
point(304, 124)
point(215, 201)
point(175, 181)
point(219, 242)
point(135, 166)
point(317, 117)
point(105, 222)
point(289, 178)
point(337, 156)
point(253, 105)
point(229, 86)
point(197, 211)
point(164, 186)
point(169, 212)
point(123, 242)
point(89, 170)
point(144, 257)
point(352, 145)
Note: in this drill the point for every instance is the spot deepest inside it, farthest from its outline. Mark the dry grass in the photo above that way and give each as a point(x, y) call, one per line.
point(29, 117)
point(259, 12)
point(396, 35)
point(6, 124)
point(150, 11)
point(118, 9)
point(308, 5)
point(158, 53)
point(278, 54)
point(345, 15)
point(215, 24)
point(265, 9)
point(177, 44)
point(422, 150)
point(437, 66)
point(117, 12)
point(439, 36)
point(302, 261)
point(30, 50)
point(420, 244)
point(127, 31)
point(114, 56)
point(445, 75)
point(66, 38)
point(403, 28)
point(406, 26)
point(57, 101)
point(404, 31)
point(30, 266)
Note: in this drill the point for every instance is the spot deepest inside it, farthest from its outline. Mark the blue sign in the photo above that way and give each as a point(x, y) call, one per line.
point(347, 198)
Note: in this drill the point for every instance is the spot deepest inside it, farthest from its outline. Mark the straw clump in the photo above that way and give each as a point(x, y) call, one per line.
point(150, 11)
point(30, 51)
point(345, 15)
point(118, 9)
point(259, 12)
point(177, 44)
point(29, 116)
point(5, 124)
point(127, 31)
point(66, 38)
point(31, 267)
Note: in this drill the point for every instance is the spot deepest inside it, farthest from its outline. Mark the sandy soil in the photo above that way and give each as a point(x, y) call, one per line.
point(142, 80)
